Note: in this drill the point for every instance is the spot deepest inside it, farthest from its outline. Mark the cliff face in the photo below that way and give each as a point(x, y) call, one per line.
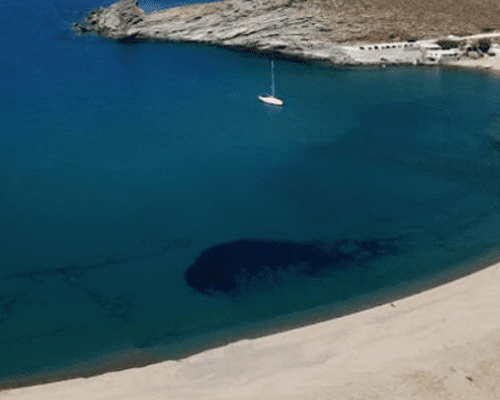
point(285, 27)
point(115, 21)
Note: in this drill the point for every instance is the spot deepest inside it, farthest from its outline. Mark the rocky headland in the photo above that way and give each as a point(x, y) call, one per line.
point(296, 29)
point(287, 27)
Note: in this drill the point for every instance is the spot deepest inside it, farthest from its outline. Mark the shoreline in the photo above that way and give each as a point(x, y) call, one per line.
point(374, 352)
point(283, 29)
point(431, 342)
point(134, 358)
point(490, 65)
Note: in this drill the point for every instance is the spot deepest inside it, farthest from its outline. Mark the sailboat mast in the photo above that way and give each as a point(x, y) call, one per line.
point(270, 99)
point(272, 77)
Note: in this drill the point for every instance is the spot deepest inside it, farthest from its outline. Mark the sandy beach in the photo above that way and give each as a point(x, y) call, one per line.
point(440, 344)
point(491, 64)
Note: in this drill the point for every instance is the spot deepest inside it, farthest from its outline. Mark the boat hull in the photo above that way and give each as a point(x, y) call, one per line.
point(271, 100)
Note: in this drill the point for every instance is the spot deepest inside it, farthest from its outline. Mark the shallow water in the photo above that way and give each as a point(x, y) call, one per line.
point(120, 165)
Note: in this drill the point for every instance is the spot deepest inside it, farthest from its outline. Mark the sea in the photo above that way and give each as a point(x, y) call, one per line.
point(125, 165)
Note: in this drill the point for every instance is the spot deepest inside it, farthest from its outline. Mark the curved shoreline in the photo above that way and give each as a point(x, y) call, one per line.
point(441, 343)
point(135, 358)
point(299, 365)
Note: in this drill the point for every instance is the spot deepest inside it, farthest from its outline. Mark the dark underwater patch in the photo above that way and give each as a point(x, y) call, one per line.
point(234, 268)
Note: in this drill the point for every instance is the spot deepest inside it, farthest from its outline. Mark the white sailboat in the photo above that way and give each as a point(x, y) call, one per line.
point(269, 98)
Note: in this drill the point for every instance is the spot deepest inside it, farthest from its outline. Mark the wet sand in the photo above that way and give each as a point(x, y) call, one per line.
point(443, 343)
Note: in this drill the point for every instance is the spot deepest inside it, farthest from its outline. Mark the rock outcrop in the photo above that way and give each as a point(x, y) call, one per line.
point(293, 29)
point(115, 21)
point(285, 28)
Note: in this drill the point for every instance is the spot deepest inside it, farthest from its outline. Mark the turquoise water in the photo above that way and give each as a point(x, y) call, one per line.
point(121, 164)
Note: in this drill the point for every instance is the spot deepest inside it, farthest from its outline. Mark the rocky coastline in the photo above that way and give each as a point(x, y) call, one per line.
point(281, 28)
point(300, 30)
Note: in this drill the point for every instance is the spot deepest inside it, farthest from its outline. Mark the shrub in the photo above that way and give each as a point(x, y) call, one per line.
point(484, 45)
point(448, 44)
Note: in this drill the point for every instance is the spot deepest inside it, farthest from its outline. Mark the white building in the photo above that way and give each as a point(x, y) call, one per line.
point(399, 52)
point(393, 46)
point(432, 52)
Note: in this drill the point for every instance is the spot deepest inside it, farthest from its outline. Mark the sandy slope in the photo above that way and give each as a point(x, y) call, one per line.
point(439, 344)
point(491, 64)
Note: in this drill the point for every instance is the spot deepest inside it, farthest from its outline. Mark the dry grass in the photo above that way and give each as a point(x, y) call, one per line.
point(381, 20)
point(368, 20)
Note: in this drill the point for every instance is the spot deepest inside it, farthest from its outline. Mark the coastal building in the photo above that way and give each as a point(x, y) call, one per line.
point(434, 53)
point(397, 52)
point(392, 46)
point(401, 46)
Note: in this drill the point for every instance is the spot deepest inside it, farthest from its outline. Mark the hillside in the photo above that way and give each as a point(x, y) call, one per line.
point(307, 29)
point(386, 20)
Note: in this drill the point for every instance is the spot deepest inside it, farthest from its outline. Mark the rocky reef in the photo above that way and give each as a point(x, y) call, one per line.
point(286, 29)
point(243, 266)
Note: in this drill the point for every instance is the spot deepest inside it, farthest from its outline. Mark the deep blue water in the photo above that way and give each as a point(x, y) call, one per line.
point(123, 165)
